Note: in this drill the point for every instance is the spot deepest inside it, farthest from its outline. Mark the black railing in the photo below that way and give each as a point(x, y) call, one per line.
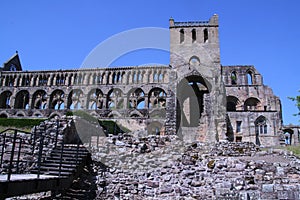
point(10, 161)
point(16, 145)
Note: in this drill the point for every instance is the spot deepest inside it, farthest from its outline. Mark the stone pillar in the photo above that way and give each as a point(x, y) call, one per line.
point(125, 102)
point(49, 80)
point(30, 102)
point(67, 80)
point(16, 80)
point(146, 101)
point(54, 80)
point(32, 81)
point(20, 80)
point(92, 78)
point(86, 78)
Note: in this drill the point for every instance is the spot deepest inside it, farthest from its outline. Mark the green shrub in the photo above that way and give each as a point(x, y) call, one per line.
point(19, 123)
point(112, 127)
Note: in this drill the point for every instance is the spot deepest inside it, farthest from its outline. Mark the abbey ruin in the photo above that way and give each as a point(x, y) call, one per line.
point(194, 96)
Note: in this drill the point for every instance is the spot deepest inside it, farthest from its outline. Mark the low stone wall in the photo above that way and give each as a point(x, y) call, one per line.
point(171, 170)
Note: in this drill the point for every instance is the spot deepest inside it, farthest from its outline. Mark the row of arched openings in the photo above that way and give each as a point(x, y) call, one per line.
point(194, 35)
point(96, 99)
point(234, 77)
point(251, 103)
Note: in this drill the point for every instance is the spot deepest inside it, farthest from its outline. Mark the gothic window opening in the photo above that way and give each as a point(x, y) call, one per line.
point(250, 78)
point(74, 100)
point(136, 99)
point(115, 99)
point(57, 100)
point(5, 99)
point(205, 35)
point(181, 32)
point(157, 98)
point(96, 99)
point(39, 100)
point(194, 37)
point(22, 100)
point(261, 126)
point(233, 78)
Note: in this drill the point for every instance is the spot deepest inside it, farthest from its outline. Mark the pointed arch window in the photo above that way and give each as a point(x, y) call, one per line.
point(250, 78)
point(233, 78)
point(261, 126)
point(181, 35)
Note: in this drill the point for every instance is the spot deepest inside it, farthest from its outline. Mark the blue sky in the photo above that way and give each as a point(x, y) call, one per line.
point(60, 34)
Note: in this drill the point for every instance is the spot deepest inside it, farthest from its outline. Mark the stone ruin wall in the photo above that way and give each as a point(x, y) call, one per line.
point(131, 94)
point(253, 105)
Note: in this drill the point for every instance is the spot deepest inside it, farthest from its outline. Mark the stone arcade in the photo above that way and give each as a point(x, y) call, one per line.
point(194, 96)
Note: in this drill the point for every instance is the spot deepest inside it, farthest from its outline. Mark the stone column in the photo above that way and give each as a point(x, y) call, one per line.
point(32, 81)
point(146, 101)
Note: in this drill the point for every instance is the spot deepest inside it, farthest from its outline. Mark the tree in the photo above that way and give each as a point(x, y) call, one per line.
point(297, 99)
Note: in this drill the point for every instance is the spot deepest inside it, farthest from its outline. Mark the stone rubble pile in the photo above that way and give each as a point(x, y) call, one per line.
point(168, 169)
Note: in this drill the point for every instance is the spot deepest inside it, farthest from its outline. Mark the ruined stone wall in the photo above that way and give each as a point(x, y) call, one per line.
point(254, 112)
point(200, 92)
point(128, 92)
point(195, 96)
point(198, 171)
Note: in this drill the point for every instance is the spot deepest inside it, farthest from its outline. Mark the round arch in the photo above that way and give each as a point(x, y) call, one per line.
point(232, 102)
point(136, 98)
point(252, 103)
point(57, 100)
point(5, 99)
point(39, 100)
point(157, 98)
point(4, 115)
point(74, 99)
point(95, 99)
point(115, 99)
point(22, 100)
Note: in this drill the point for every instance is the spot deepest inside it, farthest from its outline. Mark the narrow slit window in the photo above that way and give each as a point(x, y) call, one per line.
point(238, 126)
point(249, 78)
point(194, 37)
point(205, 35)
point(233, 78)
point(181, 35)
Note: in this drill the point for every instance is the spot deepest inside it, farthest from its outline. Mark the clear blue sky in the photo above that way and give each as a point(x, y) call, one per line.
point(60, 34)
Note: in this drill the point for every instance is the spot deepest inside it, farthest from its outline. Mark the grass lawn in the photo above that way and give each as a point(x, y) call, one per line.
point(21, 124)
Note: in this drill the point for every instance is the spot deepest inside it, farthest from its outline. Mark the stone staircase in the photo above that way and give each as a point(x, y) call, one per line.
point(64, 160)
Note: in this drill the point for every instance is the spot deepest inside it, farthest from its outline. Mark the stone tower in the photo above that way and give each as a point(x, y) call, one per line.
point(196, 80)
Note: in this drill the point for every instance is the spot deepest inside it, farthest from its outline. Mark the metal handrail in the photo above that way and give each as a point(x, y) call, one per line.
point(15, 139)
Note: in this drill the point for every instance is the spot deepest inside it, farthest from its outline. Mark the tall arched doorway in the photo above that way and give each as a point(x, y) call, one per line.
point(190, 103)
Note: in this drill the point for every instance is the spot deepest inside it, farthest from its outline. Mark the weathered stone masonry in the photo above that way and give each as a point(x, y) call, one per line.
point(195, 96)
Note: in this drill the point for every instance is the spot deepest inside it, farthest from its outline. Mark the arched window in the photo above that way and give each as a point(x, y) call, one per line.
point(232, 103)
point(205, 35)
point(233, 78)
point(181, 35)
point(261, 126)
point(251, 104)
point(13, 68)
point(194, 37)
point(250, 78)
